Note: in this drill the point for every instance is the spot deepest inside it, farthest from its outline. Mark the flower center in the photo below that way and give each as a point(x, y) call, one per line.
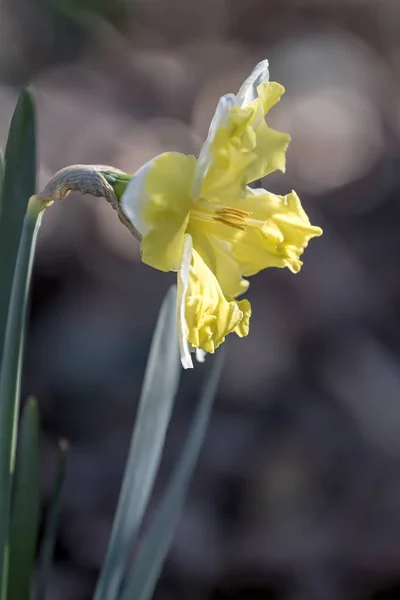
point(234, 217)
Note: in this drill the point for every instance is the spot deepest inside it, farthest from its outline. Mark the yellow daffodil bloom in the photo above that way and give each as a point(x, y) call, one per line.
point(200, 218)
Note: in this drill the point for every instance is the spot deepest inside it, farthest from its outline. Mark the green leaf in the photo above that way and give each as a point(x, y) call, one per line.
point(25, 506)
point(19, 184)
point(1, 176)
point(141, 581)
point(50, 526)
point(10, 376)
point(155, 407)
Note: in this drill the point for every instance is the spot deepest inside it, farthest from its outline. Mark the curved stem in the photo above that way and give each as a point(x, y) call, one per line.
point(87, 179)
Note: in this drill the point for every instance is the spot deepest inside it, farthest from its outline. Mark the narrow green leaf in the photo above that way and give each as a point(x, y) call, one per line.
point(10, 377)
point(25, 506)
point(19, 184)
point(155, 407)
point(1, 176)
point(141, 581)
point(50, 526)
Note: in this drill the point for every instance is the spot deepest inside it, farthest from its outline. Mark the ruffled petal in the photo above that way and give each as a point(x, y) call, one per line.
point(242, 328)
point(208, 316)
point(232, 152)
point(270, 150)
point(278, 233)
point(217, 254)
point(268, 94)
point(243, 148)
point(270, 147)
point(247, 93)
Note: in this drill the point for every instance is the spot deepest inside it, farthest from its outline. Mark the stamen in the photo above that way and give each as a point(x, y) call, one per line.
point(233, 217)
point(236, 211)
point(230, 223)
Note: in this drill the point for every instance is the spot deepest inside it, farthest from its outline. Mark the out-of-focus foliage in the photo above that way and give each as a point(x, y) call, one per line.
point(50, 32)
point(45, 555)
point(142, 580)
point(160, 385)
point(1, 176)
point(26, 506)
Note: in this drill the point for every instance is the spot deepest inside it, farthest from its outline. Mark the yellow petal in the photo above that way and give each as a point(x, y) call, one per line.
point(270, 151)
point(220, 118)
point(168, 187)
point(269, 94)
point(270, 148)
point(243, 148)
point(208, 316)
point(248, 92)
point(232, 154)
point(279, 232)
point(217, 254)
point(242, 328)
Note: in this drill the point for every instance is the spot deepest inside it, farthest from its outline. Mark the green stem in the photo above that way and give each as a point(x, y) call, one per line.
point(10, 376)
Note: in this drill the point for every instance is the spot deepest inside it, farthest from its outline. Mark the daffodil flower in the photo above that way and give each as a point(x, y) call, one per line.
point(200, 218)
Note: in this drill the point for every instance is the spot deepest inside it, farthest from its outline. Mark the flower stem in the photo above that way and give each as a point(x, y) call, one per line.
point(97, 180)
point(10, 375)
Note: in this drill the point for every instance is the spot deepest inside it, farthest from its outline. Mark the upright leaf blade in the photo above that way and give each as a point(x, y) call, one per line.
point(25, 506)
point(50, 526)
point(1, 176)
point(19, 184)
point(155, 407)
point(10, 377)
point(141, 582)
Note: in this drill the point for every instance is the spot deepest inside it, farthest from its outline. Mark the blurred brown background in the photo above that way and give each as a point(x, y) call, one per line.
point(297, 493)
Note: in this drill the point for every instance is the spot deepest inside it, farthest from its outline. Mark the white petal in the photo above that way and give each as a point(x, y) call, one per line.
point(200, 355)
point(248, 90)
point(183, 279)
point(225, 105)
point(134, 198)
